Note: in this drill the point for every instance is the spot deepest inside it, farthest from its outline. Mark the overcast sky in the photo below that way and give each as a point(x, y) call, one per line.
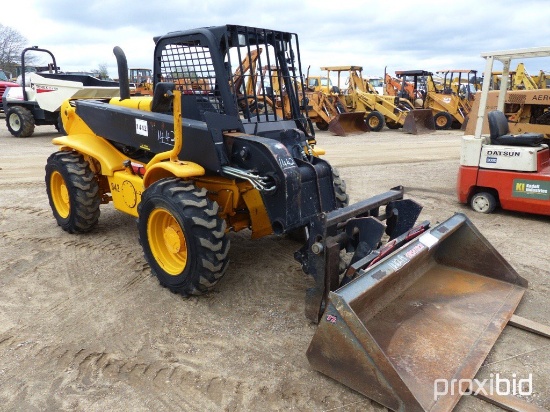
point(399, 35)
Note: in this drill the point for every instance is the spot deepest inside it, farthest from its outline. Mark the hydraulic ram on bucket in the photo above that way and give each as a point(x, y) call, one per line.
point(430, 311)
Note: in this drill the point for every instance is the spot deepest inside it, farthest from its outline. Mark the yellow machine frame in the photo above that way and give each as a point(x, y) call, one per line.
point(120, 183)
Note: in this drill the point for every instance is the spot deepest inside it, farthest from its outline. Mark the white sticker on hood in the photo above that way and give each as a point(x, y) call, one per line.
point(141, 127)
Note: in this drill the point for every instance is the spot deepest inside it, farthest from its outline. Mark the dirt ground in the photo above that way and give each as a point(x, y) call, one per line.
point(84, 326)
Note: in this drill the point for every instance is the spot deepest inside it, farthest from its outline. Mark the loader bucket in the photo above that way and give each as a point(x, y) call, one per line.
point(426, 315)
point(348, 123)
point(419, 121)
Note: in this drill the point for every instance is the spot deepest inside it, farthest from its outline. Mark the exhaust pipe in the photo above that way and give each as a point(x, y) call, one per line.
point(123, 81)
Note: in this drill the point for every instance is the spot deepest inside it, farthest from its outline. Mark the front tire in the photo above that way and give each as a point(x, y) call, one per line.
point(73, 192)
point(374, 121)
point(182, 236)
point(323, 126)
point(20, 121)
point(483, 202)
point(342, 198)
point(443, 120)
point(393, 126)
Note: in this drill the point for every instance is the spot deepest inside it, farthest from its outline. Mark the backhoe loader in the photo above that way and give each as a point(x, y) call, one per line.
point(193, 164)
point(526, 102)
point(142, 79)
point(401, 88)
point(322, 106)
point(380, 110)
point(328, 113)
point(450, 108)
point(323, 109)
point(519, 79)
point(320, 84)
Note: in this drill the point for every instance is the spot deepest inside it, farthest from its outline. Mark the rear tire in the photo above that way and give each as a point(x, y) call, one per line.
point(374, 121)
point(20, 121)
point(342, 198)
point(483, 202)
point(59, 126)
point(182, 236)
point(73, 192)
point(443, 121)
point(393, 126)
point(322, 125)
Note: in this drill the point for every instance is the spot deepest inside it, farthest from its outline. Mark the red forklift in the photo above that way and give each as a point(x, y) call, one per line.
point(501, 169)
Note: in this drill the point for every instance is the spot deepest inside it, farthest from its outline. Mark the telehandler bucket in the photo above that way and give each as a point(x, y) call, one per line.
point(419, 320)
point(348, 123)
point(419, 121)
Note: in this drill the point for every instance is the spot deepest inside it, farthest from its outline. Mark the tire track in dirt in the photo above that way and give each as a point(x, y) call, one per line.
point(31, 210)
point(80, 368)
point(23, 185)
point(76, 370)
point(92, 248)
point(274, 295)
point(90, 243)
point(7, 212)
point(6, 339)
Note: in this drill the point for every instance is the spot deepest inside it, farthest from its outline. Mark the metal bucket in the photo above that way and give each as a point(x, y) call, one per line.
point(429, 312)
point(419, 121)
point(348, 123)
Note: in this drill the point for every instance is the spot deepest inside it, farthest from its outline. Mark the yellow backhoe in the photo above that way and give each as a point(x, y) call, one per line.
point(142, 82)
point(380, 110)
point(449, 107)
point(526, 102)
point(317, 101)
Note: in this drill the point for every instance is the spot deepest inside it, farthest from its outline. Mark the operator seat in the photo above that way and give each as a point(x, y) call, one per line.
point(500, 132)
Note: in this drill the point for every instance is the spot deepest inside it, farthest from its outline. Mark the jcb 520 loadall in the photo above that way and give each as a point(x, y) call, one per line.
point(208, 153)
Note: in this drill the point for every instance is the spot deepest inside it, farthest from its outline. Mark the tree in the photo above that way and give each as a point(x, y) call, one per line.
point(12, 44)
point(101, 72)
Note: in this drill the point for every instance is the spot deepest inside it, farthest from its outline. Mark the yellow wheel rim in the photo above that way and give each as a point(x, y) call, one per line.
point(374, 122)
point(60, 194)
point(167, 241)
point(441, 121)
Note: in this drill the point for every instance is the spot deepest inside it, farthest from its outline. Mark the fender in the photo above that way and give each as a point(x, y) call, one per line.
point(168, 168)
point(111, 160)
point(96, 147)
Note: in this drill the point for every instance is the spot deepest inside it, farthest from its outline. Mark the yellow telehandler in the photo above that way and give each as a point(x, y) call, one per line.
point(193, 163)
